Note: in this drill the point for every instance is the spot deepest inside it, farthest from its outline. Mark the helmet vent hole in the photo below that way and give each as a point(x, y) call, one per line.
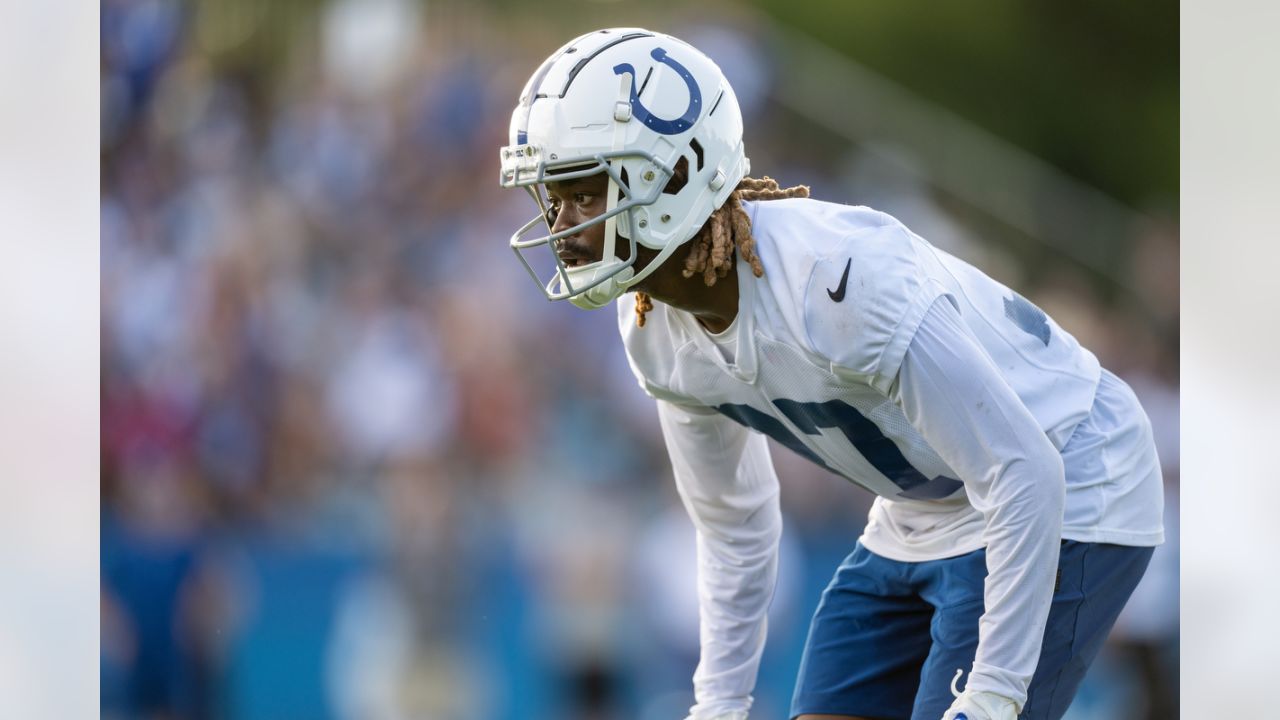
point(697, 151)
point(645, 83)
point(679, 178)
point(716, 104)
point(573, 73)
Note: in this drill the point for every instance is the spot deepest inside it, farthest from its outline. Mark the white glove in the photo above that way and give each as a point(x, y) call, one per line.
point(734, 715)
point(976, 705)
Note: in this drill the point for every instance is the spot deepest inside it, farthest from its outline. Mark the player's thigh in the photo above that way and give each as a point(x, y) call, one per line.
point(1095, 581)
point(867, 642)
point(956, 588)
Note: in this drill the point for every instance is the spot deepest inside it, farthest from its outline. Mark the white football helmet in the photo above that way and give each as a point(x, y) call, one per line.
point(630, 103)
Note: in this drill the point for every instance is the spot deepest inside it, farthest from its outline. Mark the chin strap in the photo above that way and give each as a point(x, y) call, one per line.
point(611, 200)
point(611, 289)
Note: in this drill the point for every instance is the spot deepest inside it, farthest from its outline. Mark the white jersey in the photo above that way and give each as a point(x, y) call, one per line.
point(975, 419)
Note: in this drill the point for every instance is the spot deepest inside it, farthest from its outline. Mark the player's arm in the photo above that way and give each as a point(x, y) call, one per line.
point(727, 484)
point(955, 397)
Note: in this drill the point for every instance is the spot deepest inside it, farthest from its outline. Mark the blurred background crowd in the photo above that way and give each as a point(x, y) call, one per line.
point(354, 464)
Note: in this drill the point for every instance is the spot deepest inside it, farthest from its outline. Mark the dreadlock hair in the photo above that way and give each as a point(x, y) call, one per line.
point(711, 251)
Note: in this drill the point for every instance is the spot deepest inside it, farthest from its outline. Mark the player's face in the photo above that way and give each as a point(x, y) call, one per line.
point(574, 202)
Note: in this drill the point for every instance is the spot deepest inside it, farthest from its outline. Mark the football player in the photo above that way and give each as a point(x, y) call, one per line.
point(1018, 489)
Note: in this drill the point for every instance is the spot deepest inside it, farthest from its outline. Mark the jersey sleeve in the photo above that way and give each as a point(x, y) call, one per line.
point(955, 397)
point(728, 487)
point(864, 302)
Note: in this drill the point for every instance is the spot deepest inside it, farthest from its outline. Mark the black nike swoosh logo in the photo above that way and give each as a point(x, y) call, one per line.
point(838, 293)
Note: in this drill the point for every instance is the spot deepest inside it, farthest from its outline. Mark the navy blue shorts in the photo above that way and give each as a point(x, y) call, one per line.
point(888, 636)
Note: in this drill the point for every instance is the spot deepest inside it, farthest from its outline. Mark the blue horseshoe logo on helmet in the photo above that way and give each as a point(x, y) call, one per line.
point(642, 113)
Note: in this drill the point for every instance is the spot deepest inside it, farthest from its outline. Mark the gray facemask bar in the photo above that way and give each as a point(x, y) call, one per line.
point(598, 162)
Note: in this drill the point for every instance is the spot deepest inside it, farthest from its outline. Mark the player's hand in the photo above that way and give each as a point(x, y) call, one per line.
point(979, 705)
point(735, 715)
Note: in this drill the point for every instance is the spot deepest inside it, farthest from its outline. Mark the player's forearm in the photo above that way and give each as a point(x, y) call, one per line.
point(726, 482)
point(736, 579)
point(1013, 475)
point(1023, 536)
point(737, 572)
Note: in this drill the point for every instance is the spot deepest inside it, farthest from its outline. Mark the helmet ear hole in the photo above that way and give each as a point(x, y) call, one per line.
point(697, 151)
point(679, 177)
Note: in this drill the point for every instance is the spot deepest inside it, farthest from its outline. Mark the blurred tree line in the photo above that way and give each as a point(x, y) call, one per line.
point(1090, 86)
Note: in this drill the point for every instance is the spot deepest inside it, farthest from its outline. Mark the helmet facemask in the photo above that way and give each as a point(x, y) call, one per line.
point(597, 283)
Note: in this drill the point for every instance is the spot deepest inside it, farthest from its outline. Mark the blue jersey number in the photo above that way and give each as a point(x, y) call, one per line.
point(812, 417)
